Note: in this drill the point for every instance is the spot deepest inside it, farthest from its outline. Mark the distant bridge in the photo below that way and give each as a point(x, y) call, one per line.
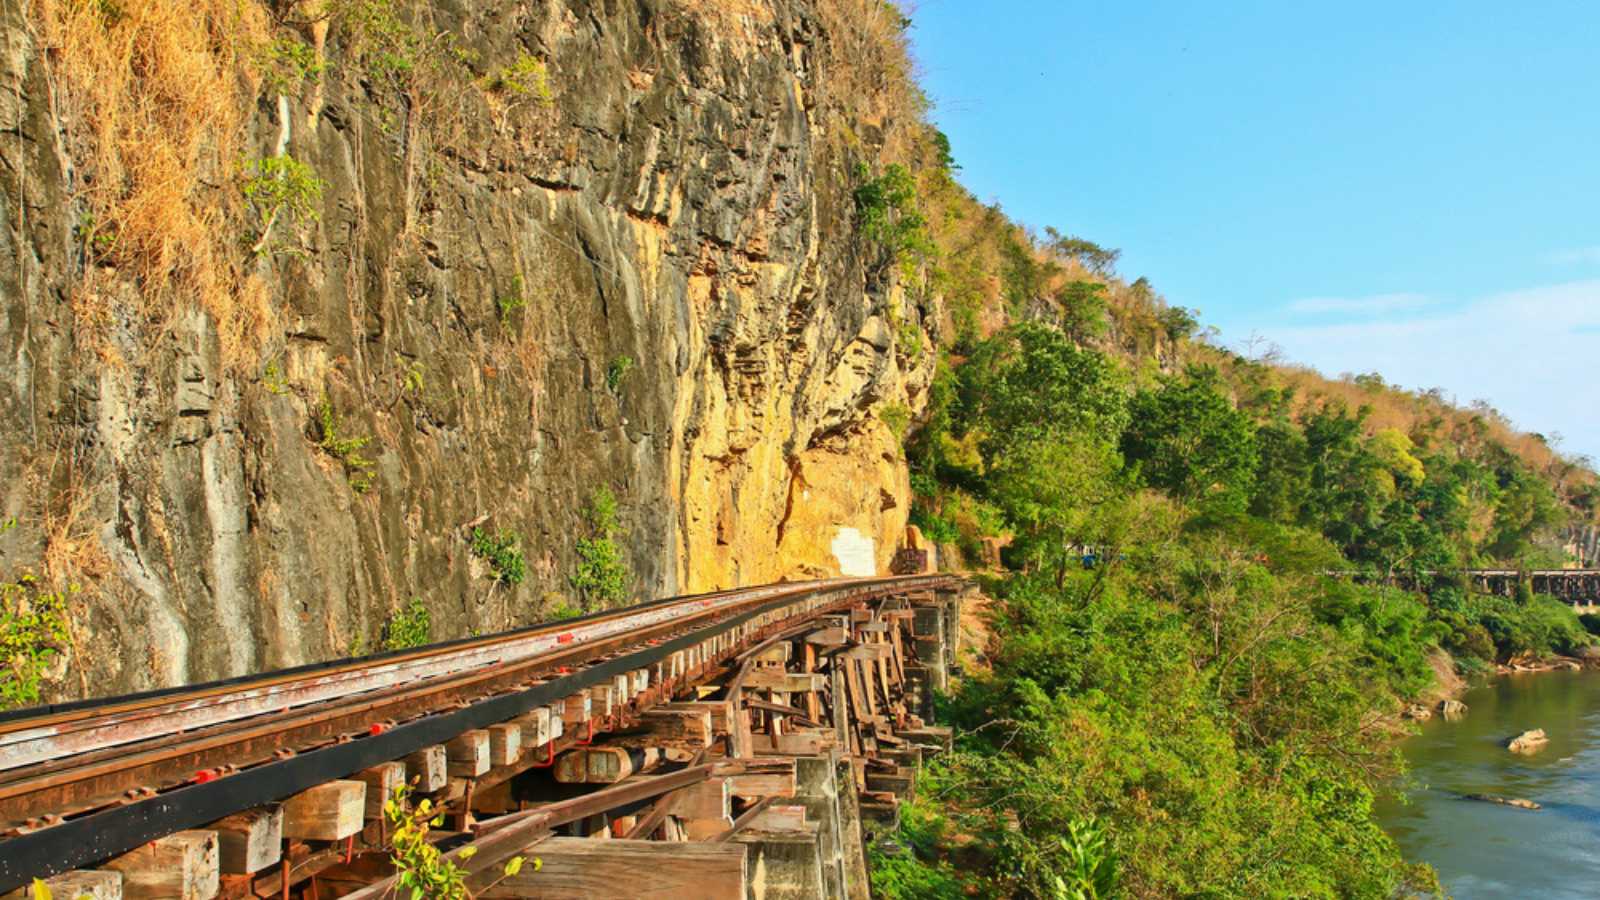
point(1579, 587)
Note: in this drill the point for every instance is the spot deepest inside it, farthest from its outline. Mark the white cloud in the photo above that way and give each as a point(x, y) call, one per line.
point(1377, 303)
point(1534, 354)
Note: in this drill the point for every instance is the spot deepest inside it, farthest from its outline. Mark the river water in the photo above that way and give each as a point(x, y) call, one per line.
point(1488, 850)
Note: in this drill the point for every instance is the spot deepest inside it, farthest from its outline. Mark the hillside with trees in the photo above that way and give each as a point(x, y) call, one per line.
point(1201, 640)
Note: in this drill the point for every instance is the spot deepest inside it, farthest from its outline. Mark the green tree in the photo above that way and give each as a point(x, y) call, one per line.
point(1190, 441)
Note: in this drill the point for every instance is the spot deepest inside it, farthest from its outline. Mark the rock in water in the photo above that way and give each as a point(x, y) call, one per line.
point(1452, 709)
point(1419, 712)
point(1518, 802)
point(1528, 742)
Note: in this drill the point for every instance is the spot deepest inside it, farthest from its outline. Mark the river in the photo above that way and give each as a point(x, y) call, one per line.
point(1488, 850)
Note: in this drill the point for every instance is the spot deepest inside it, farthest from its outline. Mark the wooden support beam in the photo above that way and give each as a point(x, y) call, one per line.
point(828, 637)
point(806, 742)
point(182, 865)
point(505, 744)
point(468, 754)
point(763, 777)
point(381, 781)
point(535, 726)
point(602, 765)
point(95, 884)
point(558, 721)
point(779, 818)
point(705, 829)
point(722, 712)
point(428, 769)
point(331, 811)
point(776, 655)
point(706, 800)
point(602, 699)
point(787, 682)
point(576, 709)
point(687, 729)
point(250, 841)
point(581, 869)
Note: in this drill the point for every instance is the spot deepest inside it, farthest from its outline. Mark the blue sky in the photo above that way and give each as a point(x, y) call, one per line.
point(1403, 187)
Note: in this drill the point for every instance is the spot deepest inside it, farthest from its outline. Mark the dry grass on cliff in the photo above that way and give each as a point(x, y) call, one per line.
point(153, 96)
point(870, 78)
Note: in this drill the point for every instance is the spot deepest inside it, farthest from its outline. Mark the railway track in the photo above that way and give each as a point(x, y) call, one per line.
point(83, 782)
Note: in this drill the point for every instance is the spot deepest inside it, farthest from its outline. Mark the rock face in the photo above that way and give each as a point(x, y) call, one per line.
point(1528, 742)
point(652, 284)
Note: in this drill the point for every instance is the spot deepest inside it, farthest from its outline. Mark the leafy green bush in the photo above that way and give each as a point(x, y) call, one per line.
point(887, 214)
point(280, 188)
point(346, 449)
point(897, 416)
point(602, 574)
point(616, 371)
point(33, 632)
point(503, 553)
point(408, 627)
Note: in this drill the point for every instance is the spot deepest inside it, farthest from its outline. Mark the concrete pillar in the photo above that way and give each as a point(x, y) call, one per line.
point(784, 865)
point(816, 786)
point(856, 885)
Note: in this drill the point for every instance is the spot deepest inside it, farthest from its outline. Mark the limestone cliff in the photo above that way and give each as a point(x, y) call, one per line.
point(525, 249)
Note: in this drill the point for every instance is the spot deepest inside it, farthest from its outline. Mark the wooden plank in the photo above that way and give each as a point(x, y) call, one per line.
point(581, 869)
point(95, 884)
point(182, 866)
point(505, 744)
point(428, 769)
point(787, 682)
point(250, 841)
point(331, 811)
point(381, 782)
point(558, 722)
point(468, 753)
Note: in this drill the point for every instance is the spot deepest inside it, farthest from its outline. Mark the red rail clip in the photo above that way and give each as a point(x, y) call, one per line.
point(564, 638)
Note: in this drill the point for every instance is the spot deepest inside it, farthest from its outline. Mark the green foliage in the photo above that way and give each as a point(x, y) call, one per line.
point(33, 632)
point(408, 627)
point(617, 371)
point(345, 448)
point(512, 302)
point(887, 213)
point(527, 77)
point(1190, 441)
point(419, 866)
point(502, 550)
point(273, 380)
point(897, 416)
point(1083, 310)
point(602, 575)
point(288, 64)
point(280, 188)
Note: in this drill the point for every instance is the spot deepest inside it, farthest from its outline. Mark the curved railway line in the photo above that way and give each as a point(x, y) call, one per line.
point(82, 783)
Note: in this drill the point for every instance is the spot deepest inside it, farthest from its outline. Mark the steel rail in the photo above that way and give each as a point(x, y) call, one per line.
point(481, 696)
